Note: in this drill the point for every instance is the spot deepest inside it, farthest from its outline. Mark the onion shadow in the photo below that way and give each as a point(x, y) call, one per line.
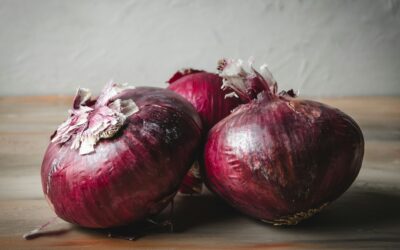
point(199, 210)
point(360, 209)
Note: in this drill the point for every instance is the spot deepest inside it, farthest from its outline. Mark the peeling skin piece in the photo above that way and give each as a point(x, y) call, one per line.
point(89, 124)
point(244, 81)
point(81, 98)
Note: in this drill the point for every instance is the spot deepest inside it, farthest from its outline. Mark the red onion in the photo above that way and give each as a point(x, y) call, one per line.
point(121, 157)
point(280, 159)
point(203, 90)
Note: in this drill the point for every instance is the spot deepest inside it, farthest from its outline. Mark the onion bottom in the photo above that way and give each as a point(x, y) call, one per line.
point(294, 219)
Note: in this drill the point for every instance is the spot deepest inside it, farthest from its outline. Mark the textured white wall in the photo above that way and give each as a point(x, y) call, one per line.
point(323, 48)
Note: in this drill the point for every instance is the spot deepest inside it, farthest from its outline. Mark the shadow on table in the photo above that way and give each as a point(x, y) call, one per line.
point(360, 208)
point(201, 210)
point(357, 210)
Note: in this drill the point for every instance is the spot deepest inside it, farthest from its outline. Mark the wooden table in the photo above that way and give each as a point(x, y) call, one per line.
point(366, 216)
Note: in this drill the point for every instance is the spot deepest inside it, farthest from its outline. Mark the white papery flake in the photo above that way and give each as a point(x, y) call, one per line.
point(235, 73)
point(266, 73)
point(87, 125)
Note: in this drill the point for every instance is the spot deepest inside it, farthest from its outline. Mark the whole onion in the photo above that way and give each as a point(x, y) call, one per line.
point(205, 91)
point(121, 157)
point(278, 158)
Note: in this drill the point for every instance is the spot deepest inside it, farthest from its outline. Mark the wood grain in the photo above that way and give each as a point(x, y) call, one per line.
point(366, 216)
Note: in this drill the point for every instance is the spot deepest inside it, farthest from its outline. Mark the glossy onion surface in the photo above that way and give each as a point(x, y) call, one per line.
point(282, 160)
point(203, 90)
point(133, 174)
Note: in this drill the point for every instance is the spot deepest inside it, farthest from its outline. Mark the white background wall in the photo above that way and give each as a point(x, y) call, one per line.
point(322, 48)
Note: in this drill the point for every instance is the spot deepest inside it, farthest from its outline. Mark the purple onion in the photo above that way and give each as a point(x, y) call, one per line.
point(121, 157)
point(206, 92)
point(278, 158)
point(203, 90)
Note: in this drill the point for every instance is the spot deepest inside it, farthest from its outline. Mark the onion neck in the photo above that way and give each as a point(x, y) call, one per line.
point(91, 120)
point(245, 81)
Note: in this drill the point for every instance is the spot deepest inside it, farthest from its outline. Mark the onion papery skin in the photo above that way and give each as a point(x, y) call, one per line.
point(134, 174)
point(281, 160)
